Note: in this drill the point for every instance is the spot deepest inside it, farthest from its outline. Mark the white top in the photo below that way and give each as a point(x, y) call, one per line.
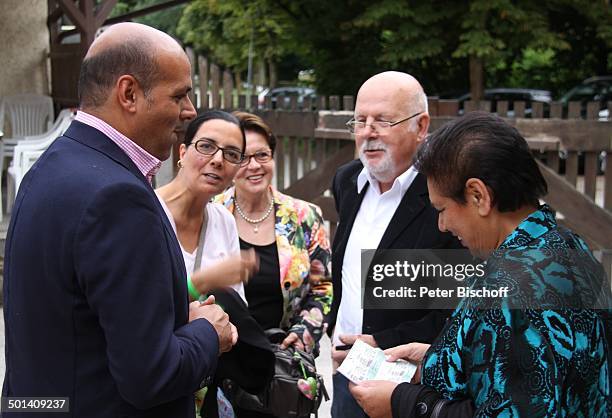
point(371, 222)
point(220, 241)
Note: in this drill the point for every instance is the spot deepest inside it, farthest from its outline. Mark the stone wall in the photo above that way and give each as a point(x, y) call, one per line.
point(24, 46)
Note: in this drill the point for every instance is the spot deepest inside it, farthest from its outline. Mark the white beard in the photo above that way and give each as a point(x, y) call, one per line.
point(382, 170)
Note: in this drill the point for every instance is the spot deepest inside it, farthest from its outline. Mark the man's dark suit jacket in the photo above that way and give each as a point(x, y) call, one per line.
point(95, 295)
point(414, 225)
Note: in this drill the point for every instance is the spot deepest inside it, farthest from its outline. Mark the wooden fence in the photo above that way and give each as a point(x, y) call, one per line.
point(571, 142)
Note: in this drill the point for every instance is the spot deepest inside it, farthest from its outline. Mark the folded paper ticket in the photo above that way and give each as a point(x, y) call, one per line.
point(365, 362)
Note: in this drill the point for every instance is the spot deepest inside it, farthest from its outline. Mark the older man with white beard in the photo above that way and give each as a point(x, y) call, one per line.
point(382, 203)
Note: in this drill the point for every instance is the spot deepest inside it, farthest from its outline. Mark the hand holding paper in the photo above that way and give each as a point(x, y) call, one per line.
point(365, 362)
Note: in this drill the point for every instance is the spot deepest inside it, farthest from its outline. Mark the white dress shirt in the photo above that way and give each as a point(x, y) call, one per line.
point(371, 222)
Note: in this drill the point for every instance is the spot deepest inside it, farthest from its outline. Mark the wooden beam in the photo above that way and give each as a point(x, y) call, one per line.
point(317, 181)
point(144, 11)
point(88, 33)
point(74, 14)
point(129, 16)
point(55, 12)
point(574, 134)
point(580, 212)
point(328, 133)
point(105, 9)
point(290, 123)
point(328, 207)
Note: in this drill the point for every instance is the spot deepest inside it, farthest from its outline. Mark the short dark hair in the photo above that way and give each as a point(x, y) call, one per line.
point(254, 123)
point(483, 146)
point(195, 124)
point(99, 72)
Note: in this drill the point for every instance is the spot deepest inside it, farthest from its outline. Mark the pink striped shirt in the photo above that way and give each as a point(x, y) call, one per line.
point(146, 163)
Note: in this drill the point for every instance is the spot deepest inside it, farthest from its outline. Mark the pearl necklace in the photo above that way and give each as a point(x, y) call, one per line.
point(257, 221)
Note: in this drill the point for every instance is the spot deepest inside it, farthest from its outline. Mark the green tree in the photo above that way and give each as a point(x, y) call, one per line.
point(548, 44)
point(419, 38)
point(341, 53)
point(447, 44)
point(224, 31)
point(165, 20)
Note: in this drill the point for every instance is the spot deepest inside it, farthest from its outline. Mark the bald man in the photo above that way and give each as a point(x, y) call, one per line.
point(95, 294)
point(382, 203)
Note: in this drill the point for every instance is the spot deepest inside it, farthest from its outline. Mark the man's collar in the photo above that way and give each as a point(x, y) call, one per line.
point(404, 180)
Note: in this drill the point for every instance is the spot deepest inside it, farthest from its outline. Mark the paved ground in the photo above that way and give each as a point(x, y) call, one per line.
point(323, 366)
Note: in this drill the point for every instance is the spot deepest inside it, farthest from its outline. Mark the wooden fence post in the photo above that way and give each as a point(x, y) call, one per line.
point(228, 90)
point(203, 69)
point(214, 75)
point(192, 60)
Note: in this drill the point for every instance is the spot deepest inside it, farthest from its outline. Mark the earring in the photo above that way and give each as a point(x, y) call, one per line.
point(179, 163)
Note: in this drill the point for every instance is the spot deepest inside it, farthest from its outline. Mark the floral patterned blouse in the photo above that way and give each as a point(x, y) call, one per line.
point(301, 237)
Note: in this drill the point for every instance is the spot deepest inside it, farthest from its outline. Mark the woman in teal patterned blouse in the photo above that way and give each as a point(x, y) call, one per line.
point(541, 352)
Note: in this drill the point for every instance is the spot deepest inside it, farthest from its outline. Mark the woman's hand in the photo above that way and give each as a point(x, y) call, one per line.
point(374, 397)
point(230, 271)
point(293, 339)
point(317, 270)
point(413, 352)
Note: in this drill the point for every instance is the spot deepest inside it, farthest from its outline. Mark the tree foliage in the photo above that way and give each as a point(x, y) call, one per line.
point(551, 44)
point(165, 20)
point(223, 30)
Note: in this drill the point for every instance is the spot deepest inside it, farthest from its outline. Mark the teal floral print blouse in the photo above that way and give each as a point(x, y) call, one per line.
point(528, 362)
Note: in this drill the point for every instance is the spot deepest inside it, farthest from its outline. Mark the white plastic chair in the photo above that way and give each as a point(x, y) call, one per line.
point(28, 114)
point(28, 150)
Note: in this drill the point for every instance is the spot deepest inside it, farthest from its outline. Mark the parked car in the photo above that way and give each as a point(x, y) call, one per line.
point(593, 89)
point(511, 95)
point(286, 93)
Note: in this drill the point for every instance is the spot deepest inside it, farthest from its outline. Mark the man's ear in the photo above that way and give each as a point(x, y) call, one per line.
point(422, 127)
point(127, 88)
point(478, 194)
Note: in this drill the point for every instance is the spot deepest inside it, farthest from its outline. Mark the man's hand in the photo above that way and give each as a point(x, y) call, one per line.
point(338, 356)
point(374, 397)
point(228, 335)
point(413, 352)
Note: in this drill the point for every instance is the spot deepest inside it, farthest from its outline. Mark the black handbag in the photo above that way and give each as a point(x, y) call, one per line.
point(250, 363)
point(283, 396)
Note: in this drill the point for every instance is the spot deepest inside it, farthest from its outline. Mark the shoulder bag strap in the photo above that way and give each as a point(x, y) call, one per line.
point(198, 259)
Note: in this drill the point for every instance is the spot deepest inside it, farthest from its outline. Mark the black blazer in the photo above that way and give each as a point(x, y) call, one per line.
point(413, 226)
point(95, 294)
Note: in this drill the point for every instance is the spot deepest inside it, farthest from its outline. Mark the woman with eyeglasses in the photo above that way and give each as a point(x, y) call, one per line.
point(292, 289)
point(210, 157)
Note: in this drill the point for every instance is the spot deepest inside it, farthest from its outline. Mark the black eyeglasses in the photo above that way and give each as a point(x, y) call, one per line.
point(380, 126)
point(260, 156)
point(208, 147)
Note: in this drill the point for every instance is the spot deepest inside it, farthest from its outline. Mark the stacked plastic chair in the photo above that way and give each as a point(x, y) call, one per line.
point(28, 114)
point(30, 148)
